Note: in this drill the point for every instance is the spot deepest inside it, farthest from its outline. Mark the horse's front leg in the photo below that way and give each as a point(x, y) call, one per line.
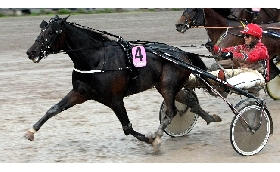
point(117, 105)
point(71, 99)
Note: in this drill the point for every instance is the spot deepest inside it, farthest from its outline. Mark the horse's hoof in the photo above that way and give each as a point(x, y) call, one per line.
point(157, 142)
point(150, 141)
point(151, 138)
point(216, 118)
point(29, 135)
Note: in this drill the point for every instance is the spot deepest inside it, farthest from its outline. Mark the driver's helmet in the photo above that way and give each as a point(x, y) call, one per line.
point(253, 29)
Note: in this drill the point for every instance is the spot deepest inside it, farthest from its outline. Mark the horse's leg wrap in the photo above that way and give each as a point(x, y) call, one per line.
point(50, 113)
point(71, 99)
point(167, 120)
point(54, 110)
point(129, 130)
point(163, 125)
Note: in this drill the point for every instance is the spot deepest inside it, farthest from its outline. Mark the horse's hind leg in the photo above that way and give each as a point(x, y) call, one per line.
point(168, 88)
point(188, 97)
point(71, 99)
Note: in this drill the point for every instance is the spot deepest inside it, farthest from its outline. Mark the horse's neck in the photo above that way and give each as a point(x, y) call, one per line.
point(81, 47)
point(269, 15)
point(265, 15)
point(90, 50)
point(213, 19)
point(238, 13)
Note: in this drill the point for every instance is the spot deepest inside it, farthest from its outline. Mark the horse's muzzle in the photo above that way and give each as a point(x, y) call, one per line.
point(32, 56)
point(181, 28)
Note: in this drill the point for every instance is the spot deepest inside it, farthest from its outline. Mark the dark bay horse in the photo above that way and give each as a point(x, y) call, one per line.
point(225, 32)
point(104, 71)
point(264, 15)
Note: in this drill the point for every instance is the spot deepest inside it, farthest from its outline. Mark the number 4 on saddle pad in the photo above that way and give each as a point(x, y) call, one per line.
point(139, 56)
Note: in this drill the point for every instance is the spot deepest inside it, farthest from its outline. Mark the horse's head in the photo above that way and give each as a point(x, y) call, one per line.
point(191, 17)
point(48, 40)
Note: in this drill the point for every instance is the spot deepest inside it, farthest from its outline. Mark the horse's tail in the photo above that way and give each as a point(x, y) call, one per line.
point(197, 61)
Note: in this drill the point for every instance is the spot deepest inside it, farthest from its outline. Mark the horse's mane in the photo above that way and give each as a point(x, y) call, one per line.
point(225, 12)
point(90, 32)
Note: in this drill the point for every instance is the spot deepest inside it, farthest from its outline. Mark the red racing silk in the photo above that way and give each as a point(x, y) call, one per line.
point(251, 55)
point(258, 52)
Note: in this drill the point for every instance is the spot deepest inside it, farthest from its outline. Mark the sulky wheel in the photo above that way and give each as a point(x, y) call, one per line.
point(183, 121)
point(272, 86)
point(244, 140)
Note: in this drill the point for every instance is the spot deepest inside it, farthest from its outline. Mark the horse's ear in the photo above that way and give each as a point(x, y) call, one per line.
point(43, 24)
point(64, 19)
point(56, 17)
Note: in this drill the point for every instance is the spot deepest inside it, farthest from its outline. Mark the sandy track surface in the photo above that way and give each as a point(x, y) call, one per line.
point(91, 132)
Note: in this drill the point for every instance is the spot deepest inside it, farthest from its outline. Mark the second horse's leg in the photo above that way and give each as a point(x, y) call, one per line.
point(71, 99)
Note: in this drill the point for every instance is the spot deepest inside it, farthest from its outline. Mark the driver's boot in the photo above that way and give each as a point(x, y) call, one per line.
point(195, 82)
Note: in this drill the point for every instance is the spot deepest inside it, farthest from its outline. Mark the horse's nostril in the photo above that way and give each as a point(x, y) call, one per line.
point(30, 52)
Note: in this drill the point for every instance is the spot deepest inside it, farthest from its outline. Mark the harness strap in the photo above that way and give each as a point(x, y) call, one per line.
point(98, 70)
point(222, 37)
point(225, 34)
point(243, 24)
point(89, 71)
point(220, 40)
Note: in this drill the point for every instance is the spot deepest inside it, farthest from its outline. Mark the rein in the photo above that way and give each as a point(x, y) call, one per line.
point(225, 27)
point(215, 27)
point(225, 34)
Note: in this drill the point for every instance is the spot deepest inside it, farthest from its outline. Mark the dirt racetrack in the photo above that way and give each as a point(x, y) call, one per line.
point(90, 132)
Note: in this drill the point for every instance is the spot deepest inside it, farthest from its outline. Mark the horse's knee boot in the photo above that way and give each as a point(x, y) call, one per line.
point(54, 110)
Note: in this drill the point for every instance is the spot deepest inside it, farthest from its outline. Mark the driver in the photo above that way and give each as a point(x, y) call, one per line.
point(252, 59)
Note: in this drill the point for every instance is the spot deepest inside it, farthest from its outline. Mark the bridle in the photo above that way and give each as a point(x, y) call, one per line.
point(47, 43)
point(55, 35)
point(189, 18)
point(192, 18)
